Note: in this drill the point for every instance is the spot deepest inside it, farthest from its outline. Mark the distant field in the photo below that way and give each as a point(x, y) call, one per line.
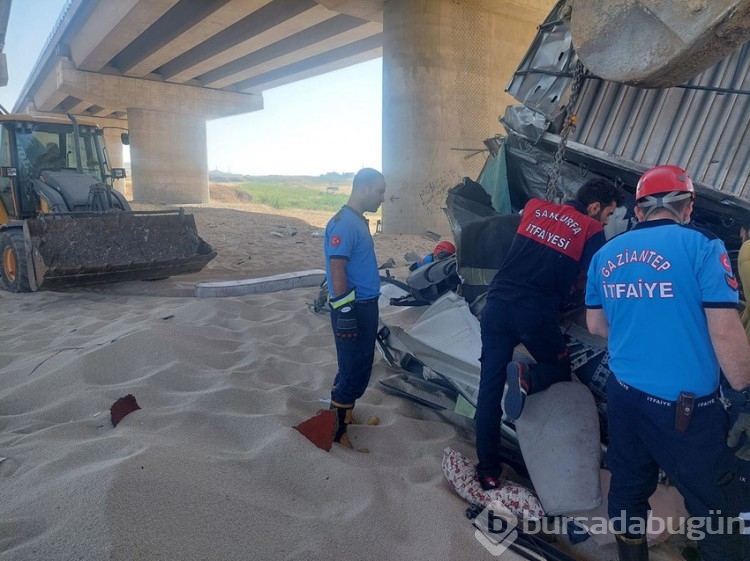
point(342, 186)
point(325, 192)
point(283, 195)
point(336, 181)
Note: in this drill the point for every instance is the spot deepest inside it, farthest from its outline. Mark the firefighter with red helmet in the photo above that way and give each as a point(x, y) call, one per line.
point(666, 297)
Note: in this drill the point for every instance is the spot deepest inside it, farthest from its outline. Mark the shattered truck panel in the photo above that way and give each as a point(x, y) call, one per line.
point(700, 125)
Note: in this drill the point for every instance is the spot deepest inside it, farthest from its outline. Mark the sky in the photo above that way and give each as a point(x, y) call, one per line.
point(330, 123)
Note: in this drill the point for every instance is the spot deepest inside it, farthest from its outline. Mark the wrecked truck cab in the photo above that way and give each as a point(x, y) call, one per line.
point(439, 353)
point(619, 132)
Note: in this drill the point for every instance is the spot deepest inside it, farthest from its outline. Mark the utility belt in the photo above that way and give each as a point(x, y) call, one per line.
point(367, 301)
point(684, 406)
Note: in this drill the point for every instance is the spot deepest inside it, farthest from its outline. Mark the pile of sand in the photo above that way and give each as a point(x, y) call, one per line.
point(210, 468)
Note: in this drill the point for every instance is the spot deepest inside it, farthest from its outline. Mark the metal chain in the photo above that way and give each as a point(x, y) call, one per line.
point(569, 124)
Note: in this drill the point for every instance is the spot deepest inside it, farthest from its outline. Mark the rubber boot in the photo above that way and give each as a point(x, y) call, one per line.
point(343, 420)
point(631, 549)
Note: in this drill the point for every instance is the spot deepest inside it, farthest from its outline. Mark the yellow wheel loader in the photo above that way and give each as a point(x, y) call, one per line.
point(63, 225)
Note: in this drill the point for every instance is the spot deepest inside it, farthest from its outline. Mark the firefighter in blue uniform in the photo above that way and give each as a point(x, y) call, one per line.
point(551, 248)
point(665, 296)
point(354, 287)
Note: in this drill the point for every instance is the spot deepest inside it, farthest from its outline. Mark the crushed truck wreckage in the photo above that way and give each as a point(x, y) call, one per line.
point(621, 131)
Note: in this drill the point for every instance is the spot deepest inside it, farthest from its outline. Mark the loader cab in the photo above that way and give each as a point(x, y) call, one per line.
point(29, 147)
point(43, 145)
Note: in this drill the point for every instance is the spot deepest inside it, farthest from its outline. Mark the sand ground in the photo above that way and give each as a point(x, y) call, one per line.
point(210, 468)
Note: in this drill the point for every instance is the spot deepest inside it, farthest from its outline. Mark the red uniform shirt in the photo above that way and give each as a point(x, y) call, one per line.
point(552, 245)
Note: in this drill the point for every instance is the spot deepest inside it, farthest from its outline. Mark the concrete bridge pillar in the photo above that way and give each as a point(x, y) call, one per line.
point(445, 67)
point(168, 157)
point(167, 124)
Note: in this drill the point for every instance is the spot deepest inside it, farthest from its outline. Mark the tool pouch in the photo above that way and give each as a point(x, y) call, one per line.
point(684, 411)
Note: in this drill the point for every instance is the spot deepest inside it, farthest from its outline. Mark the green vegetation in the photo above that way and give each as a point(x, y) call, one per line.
point(327, 192)
point(331, 177)
point(283, 195)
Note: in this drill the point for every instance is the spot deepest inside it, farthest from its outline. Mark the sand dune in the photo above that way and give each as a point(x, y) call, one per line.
point(209, 467)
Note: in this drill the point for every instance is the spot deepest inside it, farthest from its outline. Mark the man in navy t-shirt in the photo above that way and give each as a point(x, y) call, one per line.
point(354, 287)
point(552, 247)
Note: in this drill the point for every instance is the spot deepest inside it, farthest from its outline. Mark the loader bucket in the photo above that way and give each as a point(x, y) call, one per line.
point(66, 250)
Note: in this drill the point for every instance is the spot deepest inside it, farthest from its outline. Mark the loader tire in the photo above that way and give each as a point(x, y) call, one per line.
point(14, 274)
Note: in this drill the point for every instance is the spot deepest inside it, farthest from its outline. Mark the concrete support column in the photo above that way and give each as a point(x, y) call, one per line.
point(445, 67)
point(168, 157)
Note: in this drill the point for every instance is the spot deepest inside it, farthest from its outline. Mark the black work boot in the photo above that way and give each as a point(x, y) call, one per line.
point(631, 549)
point(343, 420)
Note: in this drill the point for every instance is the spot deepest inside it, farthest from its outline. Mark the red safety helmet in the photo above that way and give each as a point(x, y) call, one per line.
point(444, 246)
point(661, 186)
point(664, 179)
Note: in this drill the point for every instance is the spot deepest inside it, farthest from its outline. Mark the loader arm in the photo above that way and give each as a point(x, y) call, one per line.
point(4, 18)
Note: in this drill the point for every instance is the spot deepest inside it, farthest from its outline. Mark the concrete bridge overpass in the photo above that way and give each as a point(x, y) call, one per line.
point(161, 68)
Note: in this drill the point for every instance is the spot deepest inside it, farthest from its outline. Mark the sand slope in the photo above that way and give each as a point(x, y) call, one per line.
point(210, 467)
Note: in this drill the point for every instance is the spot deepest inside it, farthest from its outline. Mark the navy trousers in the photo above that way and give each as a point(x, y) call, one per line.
point(505, 325)
point(355, 356)
point(642, 439)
